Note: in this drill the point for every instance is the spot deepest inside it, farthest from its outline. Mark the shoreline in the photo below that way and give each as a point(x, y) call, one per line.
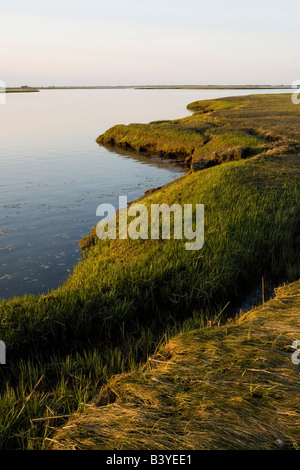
point(216, 87)
point(200, 141)
point(149, 87)
point(21, 90)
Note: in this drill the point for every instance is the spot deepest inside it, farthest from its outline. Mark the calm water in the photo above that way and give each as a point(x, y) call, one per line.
point(53, 174)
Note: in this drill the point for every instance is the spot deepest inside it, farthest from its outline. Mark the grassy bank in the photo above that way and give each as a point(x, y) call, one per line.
point(220, 387)
point(219, 130)
point(125, 294)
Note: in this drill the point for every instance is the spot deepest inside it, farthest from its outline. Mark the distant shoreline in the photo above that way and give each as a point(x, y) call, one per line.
point(216, 87)
point(21, 90)
point(150, 87)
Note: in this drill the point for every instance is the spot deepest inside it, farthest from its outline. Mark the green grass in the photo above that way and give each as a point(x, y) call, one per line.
point(125, 295)
point(216, 125)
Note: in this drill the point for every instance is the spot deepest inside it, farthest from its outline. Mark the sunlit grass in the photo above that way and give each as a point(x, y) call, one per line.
point(125, 295)
point(215, 125)
point(215, 388)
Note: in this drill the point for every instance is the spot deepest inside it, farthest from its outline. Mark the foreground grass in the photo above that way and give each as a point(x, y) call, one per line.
point(228, 387)
point(219, 130)
point(124, 295)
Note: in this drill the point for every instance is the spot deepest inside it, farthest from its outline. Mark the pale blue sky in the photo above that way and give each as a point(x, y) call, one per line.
point(149, 42)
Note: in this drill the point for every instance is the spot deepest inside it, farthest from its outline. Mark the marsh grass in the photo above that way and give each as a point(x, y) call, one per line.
point(216, 125)
point(125, 295)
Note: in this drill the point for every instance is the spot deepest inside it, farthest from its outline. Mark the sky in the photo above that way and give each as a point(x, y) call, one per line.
point(143, 42)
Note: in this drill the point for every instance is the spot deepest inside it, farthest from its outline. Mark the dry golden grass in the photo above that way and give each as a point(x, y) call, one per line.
point(222, 387)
